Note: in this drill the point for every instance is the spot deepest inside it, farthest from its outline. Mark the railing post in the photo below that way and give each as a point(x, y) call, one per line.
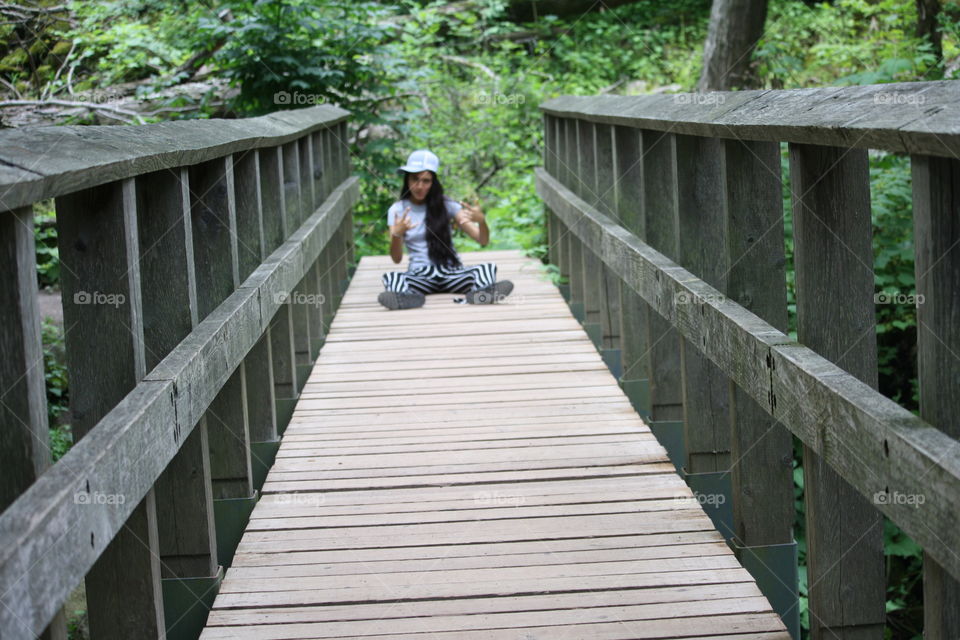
point(343, 152)
point(258, 367)
point(936, 203)
point(184, 500)
point(292, 197)
point(24, 432)
point(313, 162)
point(214, 217)
point(100, 284)
point(280, 330)
point(341, 237)
point(318, 168)
point(836, 318)
point(302, 340)
point(330, 159)
point(593, 299)
point(573, 247)
point(560, 240)
point(326, 282)
point(761, 449)
point(609, 283)
point(295, 206)
point(351, 255)
point(309, 202)
point(271, 198)
point(634, 311)
point(701, 235)
point(660, 206)
point(549, 144)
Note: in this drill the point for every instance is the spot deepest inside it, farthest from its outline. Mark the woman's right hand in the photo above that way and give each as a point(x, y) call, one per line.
point(402, 224)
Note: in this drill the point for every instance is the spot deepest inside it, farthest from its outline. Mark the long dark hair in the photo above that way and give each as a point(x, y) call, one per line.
point(439, 244)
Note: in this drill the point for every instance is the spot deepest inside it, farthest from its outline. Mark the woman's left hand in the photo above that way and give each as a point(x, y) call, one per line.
point(470, 213)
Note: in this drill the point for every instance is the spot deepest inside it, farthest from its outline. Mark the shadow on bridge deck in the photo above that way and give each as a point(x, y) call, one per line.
point(467, 472)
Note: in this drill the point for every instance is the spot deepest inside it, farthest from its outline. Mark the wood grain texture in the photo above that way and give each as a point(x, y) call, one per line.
point(46, 162)
point(911, 117)
point(701, 229)
point(836, 317)
point(487, 502)
point(627, 168)
point(936, 201)
point(897, 451)
point(659, 193)
point(50, 540)
point(761, 449)
point(103, 316)
point(24, 435)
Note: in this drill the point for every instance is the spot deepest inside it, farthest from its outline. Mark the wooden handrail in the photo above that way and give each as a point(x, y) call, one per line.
point(906, 117)
point(202, 262)
point(678, 198)
point(44, 162)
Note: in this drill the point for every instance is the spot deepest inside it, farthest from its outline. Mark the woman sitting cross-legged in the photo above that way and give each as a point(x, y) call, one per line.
point(421, 220)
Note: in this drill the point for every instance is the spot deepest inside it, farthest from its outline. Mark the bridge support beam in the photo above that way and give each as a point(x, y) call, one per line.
point(24, 432)
point(836, 318)
point(936, 203)
point(100, 283)
point(761, 449)
point(660, 206)
point(627, 172)
point(185, 521)
point(701, 228)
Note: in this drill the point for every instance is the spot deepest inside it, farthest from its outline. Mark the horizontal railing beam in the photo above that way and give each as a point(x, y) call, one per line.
point(907, 117)
point(872, 442)
point(37, 163)
point(53, 533)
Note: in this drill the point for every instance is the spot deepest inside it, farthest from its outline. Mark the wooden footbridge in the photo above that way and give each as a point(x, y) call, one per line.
point(264, 452)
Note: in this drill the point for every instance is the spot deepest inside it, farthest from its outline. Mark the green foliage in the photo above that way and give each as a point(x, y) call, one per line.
point(291, 53)
point(846, 42)
point(45, 238)
point(58, 397)
point(892, 207)
point(131, 39)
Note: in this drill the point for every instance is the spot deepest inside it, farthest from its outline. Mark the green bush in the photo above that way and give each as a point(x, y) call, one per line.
point(58, 395)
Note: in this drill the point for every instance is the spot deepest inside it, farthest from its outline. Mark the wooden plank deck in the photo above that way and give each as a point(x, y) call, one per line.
point(473, 472)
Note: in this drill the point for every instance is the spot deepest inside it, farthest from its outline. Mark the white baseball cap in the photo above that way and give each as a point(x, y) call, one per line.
point(421, 160)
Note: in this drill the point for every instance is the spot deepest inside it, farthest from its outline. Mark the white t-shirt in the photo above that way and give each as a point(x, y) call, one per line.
point(416, 238)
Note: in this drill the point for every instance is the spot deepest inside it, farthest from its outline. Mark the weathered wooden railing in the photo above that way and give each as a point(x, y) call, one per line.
point(201, 264)
point(666, 215)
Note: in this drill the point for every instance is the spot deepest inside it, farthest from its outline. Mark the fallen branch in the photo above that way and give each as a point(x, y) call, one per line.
point(105, 109)
point(476, 65)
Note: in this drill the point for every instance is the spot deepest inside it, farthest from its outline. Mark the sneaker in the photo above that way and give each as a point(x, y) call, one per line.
point(490, 294)
point(394, 300)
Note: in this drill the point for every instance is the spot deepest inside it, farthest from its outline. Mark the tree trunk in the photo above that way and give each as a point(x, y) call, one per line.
point(927, 26)
point(735, 28)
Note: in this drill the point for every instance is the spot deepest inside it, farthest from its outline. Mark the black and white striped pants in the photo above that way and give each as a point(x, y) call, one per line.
point(435, 279)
